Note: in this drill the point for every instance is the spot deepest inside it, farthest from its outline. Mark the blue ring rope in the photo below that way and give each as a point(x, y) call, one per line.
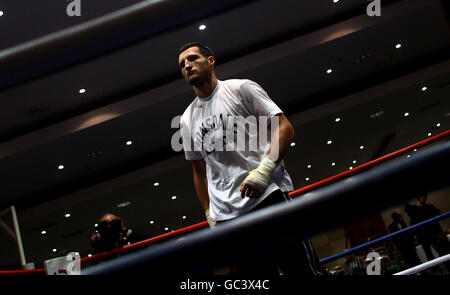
point(385, 238)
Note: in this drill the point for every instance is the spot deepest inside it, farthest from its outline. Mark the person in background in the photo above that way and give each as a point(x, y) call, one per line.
point(432, 234)
point(405, 243)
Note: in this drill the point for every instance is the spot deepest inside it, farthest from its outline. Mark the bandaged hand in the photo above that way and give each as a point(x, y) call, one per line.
point(212, 224)
point(258, 179)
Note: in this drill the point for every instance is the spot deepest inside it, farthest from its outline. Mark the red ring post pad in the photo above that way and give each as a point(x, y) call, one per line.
point(293, 194)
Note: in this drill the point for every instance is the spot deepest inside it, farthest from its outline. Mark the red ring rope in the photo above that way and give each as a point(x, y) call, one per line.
point(292, 194)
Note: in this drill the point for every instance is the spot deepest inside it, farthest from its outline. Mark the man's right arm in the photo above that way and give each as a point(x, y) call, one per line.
point(201, 187)
point(201, 182)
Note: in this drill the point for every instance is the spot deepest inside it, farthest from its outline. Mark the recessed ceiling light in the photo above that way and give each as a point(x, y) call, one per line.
point(350, 168)
point(292, 143)
point(174, 197)
point(61, 167)
point(129, 142)
point(406, 114)
point(329, 71)
point(82, 90)
point(429, 133)
point(337, 119)
point(166, 228)
point(398, 45)
point(408, 156)
point(361, 147)
point(67, 215)
point(329, 142)
point(424, 88)
point(151, 222)
point(309, 166)
point(1, 13)
point(54, 250)
point(438, 125)
point(43, 232)
point(335, 1)
point(307, 178)
point(156, 184)
point(123, 204)
point(202, 27)
point(377, 114)
point(89, 255)
point(415, 150)
point(95, 225)
point(354, 161)
point(333, 164)
point(184, 217)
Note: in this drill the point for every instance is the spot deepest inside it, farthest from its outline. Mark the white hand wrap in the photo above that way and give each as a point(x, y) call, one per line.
point(260, 177)
point(212, 224)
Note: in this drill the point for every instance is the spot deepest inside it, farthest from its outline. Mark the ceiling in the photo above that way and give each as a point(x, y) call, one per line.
point(133, 92)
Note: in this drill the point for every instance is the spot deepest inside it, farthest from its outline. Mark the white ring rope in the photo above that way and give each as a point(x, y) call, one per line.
point(424, 266)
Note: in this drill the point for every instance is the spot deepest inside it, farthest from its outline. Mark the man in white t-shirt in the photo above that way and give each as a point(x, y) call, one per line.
point(236, 138)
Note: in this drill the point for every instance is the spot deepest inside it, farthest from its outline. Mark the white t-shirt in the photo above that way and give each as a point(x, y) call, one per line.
point(204, 124)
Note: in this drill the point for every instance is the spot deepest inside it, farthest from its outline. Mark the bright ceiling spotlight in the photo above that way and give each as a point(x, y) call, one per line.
point(202, 27)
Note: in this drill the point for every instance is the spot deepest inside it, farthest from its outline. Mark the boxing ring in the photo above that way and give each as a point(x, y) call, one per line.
point(322, 206)
point(317, 208)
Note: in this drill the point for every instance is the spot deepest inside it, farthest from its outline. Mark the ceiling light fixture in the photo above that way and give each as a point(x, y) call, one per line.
point(67, 215)
point(438, 125)
point(43, 232)
point(202, 27)
point(361, 147)
point(329, 142)
point(398, 45)
point(406, 114)
point(174, 197)
point(129, 142)
point(350, 168)
point(307, 178)
point(61, 167)
point(335, 1)
point(329, 71)
point(123, 204)
point(424, 88)
point(354, 161)
point(156, 184)
point(166, 228)
point(82, 90)
point(333, 164)
point(151, 222)
point(429, 133)
point(292, 143)
point(184, 217)
point(309, 166)
point(1, 13)
point(337, 120)
point(54, 250)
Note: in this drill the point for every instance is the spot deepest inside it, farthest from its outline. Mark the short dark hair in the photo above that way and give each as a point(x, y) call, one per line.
point(204, 50)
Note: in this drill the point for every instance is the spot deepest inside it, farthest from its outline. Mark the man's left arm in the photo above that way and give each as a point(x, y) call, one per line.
point(257, 180)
